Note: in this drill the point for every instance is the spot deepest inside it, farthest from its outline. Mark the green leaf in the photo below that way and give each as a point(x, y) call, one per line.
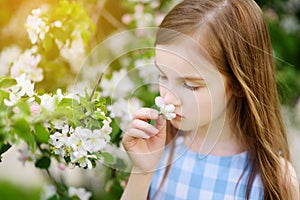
point(42, 135)
point(53, 197)
point(67, 102)
point(22, 129)
point(3, 149)
point(50, 47)
point(60, 35)
point(24, 107)
point(6, 82)
point(3, 95)
point(108, 158)
point(98, 115)
point(100, 103)
point(86, 104)
point(43, 163)
point(116, 132)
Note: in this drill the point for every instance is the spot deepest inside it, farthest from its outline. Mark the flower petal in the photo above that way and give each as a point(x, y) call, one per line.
point(159, 102)
point(170, 108)
point(170, 116)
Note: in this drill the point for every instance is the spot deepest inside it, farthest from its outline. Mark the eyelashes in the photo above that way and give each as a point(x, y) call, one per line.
point(185, 84)
point(193, 88)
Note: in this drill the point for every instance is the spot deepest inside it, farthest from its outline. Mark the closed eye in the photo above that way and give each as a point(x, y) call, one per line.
point(190, 87)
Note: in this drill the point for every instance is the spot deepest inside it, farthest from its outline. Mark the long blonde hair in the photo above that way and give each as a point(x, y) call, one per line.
point(237, 39)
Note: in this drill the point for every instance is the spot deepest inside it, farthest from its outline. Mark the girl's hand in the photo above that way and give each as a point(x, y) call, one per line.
point(145, 142)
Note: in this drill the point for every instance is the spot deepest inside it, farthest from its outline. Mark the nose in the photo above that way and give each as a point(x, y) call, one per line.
point(169, 97)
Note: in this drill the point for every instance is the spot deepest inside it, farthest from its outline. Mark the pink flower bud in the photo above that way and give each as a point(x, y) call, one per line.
point(35, 109)
point(126, 19)
point(16, 110)
point(61, 167)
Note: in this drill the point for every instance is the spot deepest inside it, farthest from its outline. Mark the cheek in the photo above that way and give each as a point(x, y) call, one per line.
point(162, 91)
point(204, 105)
point(198, 104)
point(218, 102)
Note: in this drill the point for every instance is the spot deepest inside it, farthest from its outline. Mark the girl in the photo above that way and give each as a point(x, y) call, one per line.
point(227, 140)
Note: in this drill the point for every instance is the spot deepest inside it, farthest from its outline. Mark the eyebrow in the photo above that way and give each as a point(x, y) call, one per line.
point(188, 78)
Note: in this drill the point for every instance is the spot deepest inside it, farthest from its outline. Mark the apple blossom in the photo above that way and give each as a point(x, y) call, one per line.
point(165, 110)
point(118, 86)
point(81, 193)
point(7, 57)
point(27, 63)
point(23, 88)
point(36, 26)
point(35, 108)
point(74, 51)
point(58, 139)
point(123, 110)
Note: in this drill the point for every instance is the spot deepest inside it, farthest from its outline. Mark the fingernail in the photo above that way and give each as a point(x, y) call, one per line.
point(146, 136)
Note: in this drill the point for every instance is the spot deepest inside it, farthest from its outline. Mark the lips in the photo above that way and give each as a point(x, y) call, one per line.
point(178, 116)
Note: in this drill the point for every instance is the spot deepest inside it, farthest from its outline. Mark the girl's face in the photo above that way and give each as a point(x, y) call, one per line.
point(190, 80)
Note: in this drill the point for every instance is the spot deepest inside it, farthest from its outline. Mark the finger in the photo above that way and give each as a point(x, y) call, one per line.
point(160, 123)
point(145, 114)
point(144, 126)
point(133, 132)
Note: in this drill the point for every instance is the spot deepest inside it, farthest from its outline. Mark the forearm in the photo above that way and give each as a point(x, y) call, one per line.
point(137, 187)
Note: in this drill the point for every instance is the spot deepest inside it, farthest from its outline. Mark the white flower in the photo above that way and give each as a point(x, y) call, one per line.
point(118, 86)
point(106, 129)
point(36, 26)
point(290, 24)
point(24, 87)
point(13, 99)
point(73, 52)
point(78, 154)
point(57, 24)
point(80, 88)
point(80, 144)
point(96, 141)
point(48, 102)
point(7, 57)
point(25, 155)
point(48, 192)
point(27, 88)
point(77, 139)
point(123, 110)
point(81, 193)
point(27, 63)
point(73, 96)
point(58, 139)
point(118, 108)
point(166, 110)
point(59, 124)
point(60, 152)
point(147, 71)
point(85, 161)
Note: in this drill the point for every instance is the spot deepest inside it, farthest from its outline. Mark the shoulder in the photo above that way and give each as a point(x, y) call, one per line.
point(289, 177)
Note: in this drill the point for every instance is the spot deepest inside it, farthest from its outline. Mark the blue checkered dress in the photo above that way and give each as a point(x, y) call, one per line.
point(204, 177)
